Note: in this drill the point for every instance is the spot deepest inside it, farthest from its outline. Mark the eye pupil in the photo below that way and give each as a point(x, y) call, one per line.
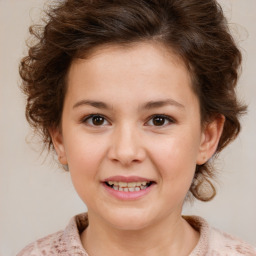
point(97, 120)
point(158, 121)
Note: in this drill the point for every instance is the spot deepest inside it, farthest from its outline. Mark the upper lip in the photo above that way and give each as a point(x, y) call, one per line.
point(126, 179)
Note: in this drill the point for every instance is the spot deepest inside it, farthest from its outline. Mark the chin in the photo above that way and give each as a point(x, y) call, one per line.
point(129, 220)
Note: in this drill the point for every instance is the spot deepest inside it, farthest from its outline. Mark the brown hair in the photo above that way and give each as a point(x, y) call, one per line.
point(195, 30)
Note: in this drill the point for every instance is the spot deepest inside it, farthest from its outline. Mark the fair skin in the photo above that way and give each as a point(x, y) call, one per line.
point(130, 115)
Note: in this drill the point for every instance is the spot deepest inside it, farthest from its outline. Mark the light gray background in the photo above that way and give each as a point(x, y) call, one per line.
point(37, 198)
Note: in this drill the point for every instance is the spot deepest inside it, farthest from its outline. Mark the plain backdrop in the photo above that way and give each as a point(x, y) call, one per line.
point(37, 197)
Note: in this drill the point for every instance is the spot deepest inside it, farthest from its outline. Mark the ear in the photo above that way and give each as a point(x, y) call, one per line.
point(57, 140)
point(210, 137)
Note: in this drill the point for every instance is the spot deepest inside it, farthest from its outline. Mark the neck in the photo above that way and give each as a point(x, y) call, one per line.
point(173, 236)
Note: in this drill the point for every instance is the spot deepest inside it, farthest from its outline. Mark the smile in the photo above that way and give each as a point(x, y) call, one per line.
point(128, 186)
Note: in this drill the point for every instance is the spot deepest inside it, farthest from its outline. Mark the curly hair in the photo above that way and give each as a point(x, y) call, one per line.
point(196, 30)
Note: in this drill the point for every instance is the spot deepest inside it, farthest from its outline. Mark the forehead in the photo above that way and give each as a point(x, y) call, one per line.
point(148, 48)
point(144, 67)
point(143, 56)
point(131, 46)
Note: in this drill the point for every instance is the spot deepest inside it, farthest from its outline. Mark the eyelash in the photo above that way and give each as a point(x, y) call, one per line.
point(87, 118)
point(165, 117)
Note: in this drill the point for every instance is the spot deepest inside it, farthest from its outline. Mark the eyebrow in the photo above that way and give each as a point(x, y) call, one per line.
point(162, 103)
point(96, 104)
point(147, 105)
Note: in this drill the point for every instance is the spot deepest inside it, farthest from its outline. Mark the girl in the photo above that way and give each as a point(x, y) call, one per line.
point(135, 97)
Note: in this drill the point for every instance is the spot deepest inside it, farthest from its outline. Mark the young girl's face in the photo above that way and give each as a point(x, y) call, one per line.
point(131, 134)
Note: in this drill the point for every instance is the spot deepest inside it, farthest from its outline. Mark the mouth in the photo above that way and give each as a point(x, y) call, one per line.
point(129, 186)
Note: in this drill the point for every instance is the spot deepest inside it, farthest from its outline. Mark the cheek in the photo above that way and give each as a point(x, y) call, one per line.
point(84, 160)
point(175, 158)
point(84, 155)
point(176, 165)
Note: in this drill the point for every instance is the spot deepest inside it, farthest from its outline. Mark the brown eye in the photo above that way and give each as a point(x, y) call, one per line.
point(95, 120)
point(159, 120)
point(98, 120)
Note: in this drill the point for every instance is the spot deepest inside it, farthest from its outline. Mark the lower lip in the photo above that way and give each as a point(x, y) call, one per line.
point(127, 195)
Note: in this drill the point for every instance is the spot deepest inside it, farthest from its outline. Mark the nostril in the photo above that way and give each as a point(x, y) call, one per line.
point(126, 148)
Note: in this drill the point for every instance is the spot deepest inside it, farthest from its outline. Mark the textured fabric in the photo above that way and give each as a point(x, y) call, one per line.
point(212, 242)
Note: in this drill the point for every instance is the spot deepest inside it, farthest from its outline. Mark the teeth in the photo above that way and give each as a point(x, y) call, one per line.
point(128, 186)
point(131, 189)
point(132, 184)
point(122, 184)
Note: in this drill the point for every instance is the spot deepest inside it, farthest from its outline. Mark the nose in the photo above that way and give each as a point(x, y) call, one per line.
point(126, 146)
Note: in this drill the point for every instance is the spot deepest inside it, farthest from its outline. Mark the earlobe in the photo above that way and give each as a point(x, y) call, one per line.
point(210, 139)
point(57, 140)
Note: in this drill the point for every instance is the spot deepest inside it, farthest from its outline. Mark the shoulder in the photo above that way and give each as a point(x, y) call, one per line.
point(43, 246)
point(228, 245)
point(213, 242)
point(64, 243)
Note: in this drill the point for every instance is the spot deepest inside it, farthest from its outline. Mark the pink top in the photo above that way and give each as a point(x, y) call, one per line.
point(212, 242)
